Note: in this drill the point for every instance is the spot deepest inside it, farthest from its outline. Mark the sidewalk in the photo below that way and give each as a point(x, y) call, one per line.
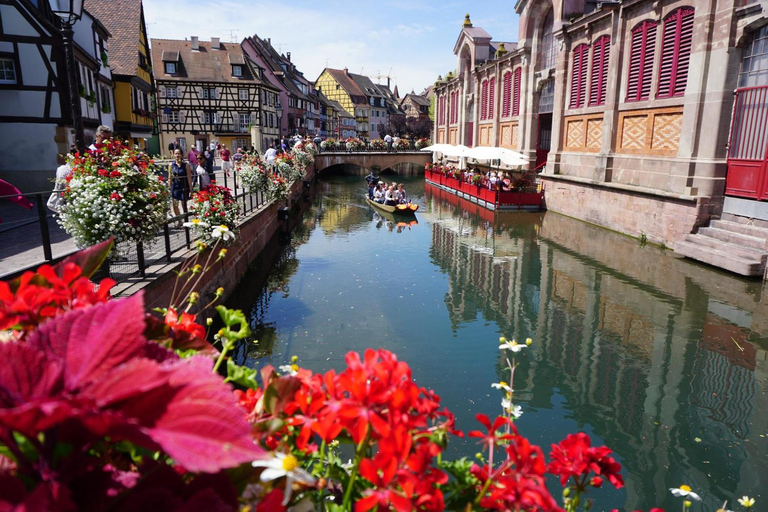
point(21, 244)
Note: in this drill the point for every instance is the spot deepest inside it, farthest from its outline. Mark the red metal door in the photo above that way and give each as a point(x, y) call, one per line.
point(748, 146)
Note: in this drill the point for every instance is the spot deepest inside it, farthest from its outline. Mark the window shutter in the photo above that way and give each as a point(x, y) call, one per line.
point(484, 101)
point(506, 93)
point(516, 93)
point(161, 90)
point(491, 98)
point(641, 61)
point(579, 76)
point(675, 53)
point(254, 118)
point(182, 116)
point(599, 76)
point(165, 118)
point(235, 122)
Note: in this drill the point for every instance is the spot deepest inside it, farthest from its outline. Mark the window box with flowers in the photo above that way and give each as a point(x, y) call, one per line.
point(106, 108)
point(83, 92)
point(104, 58)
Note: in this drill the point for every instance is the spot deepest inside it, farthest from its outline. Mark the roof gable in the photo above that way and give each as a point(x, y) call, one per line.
point(125, 21)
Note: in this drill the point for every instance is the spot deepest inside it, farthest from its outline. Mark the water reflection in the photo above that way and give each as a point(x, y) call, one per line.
point(659, 358)
point(664, 359)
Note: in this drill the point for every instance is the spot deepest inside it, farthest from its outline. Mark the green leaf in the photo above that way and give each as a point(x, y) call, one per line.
point(241, 375)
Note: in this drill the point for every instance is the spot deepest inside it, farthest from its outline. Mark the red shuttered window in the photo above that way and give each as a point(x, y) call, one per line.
point(579, 76)
point(441, 110)
point(491, 97)
point(675, 53)
point(450, 109)
point(641, 61)
point(484, 101)
point(456, 110)
point(516, 92)
point(601, 52)
point(506, 94)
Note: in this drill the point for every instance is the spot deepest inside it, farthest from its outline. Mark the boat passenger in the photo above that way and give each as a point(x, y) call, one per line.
point(378, 194)
point(402, 197)
point(390, 198)
point(371, 188)
point(492, 181)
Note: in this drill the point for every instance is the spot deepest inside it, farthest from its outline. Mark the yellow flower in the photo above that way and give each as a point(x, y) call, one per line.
point(746, 501)
point(528, 341)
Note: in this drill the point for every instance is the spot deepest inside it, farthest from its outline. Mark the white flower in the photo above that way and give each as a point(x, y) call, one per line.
point(503, 386)
point(196, 223)
point(290, 369)
point(513, 346)
point(515, 410)
point(224, 232)
point(746, 501)
point(684, 491)
point(284, 466)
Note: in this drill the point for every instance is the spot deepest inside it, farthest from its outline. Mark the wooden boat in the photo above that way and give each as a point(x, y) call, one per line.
point(402, 209)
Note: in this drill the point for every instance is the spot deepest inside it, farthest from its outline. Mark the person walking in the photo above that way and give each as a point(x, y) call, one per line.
point(192, 156)
point(203, 175)
point(180, 179)
point(226, 163)
point(388, 140)
point(269, 155)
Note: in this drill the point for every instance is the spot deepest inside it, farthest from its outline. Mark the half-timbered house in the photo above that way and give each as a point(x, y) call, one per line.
point(210, 92)
point(34, 99)
point(131, 67)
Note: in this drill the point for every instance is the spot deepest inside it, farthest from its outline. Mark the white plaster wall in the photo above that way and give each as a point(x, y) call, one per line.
point(29, 155)
point(14, 23)
point(33, 69)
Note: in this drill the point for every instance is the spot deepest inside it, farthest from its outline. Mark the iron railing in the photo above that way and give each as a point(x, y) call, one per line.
point(130, 259)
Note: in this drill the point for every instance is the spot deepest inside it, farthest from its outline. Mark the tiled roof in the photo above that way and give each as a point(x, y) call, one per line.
point(123, 19)
point(420, 100)
point(344, 79)
point(169, 56)
point(274, 61)
point(341, 110)
point(206, 64)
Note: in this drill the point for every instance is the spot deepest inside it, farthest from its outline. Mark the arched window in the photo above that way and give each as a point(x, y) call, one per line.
point(579, 76)
point(601, 52)
point(484, 100)
point(506, 94)
point(641, 61)
point(491, 97)
point(754, 61)
point(547, 50)
point(441, 110)
point(675, 53)
point(516, 92)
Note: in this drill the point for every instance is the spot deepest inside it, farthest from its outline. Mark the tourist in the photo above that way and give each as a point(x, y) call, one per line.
point(388, 140)
point(180, 179)
point(203, 176)
point(492, 181)
point(378, 194)
point(402, 197)
point(192, 156)
point(269, 155)
point(209, 161)
point(390, 198)
point(238, 155)
point(103, 133)
point(56, 201)
point(317, 140)
point(226, 163)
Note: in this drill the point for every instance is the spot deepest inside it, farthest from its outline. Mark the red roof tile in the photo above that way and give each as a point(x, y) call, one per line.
point(123, 19)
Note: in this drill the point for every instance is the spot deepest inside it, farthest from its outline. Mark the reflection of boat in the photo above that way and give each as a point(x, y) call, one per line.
point(401, 221)
point(402, 209)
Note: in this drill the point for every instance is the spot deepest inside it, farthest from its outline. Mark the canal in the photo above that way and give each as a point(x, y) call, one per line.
point(663, 360)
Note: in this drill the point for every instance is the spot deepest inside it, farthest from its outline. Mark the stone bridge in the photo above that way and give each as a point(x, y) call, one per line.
point(383, 159)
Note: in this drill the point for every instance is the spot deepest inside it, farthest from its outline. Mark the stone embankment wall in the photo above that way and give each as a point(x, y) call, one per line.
point(256, 232)
point(663, 218)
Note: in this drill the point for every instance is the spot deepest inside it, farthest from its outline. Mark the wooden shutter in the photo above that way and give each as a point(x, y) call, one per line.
point(599, 76)
point(506, 93)
point(182, 116)
point(641, 61)
point(579, 76)
point(484, 100)
point(165, 118)
point(516, 92)
point(491, 97)
point(675, 53)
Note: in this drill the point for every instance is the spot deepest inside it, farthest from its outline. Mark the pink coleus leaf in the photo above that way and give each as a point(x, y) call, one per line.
point(94, 369)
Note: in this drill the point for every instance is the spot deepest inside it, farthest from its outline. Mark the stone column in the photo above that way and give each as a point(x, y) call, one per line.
point(604, 160)
point(562, 41)
point(528, 108)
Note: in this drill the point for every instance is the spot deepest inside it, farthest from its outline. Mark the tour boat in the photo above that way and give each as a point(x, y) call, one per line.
point(403, 209)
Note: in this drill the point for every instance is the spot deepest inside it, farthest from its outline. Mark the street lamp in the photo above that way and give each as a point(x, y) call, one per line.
point(69, 11)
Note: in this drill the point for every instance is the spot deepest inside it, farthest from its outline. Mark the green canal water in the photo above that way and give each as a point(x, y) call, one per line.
point(663, 360)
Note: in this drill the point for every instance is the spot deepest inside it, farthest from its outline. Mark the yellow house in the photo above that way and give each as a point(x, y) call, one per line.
point(341, 86)
point(131, 67)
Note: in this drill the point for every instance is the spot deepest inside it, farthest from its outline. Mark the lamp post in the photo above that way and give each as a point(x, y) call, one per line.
point(69, 11)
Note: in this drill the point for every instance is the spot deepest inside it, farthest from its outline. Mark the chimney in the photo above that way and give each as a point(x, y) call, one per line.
point(215, 44)
point(387, 82)
point(346, 71)
point(289, 56)
point(195, 44)
point(269, 41)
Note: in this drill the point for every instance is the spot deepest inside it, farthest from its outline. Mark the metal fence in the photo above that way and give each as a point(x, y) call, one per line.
point(130, 259)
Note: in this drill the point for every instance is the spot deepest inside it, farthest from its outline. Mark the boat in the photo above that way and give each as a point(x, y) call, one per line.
point(402, 209)
point(401, 221)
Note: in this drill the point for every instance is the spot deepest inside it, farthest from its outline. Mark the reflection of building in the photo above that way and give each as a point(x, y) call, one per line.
point(644, 348)
point(625, 106)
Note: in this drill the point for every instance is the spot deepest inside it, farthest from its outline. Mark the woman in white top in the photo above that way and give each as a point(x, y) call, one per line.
point(378, 194)
point(203, 177)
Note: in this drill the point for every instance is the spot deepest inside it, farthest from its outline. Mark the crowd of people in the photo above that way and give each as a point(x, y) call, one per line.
point(390, 195)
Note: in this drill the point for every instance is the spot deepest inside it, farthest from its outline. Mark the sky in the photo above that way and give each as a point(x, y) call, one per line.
point(409, 40)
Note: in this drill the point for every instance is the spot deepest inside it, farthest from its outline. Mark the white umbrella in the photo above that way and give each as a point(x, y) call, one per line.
point(506, 156)
point(448, 149)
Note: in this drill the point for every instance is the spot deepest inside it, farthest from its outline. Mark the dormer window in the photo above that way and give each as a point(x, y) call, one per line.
point(237, 70)
point(170, 68)
point(170, 62)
